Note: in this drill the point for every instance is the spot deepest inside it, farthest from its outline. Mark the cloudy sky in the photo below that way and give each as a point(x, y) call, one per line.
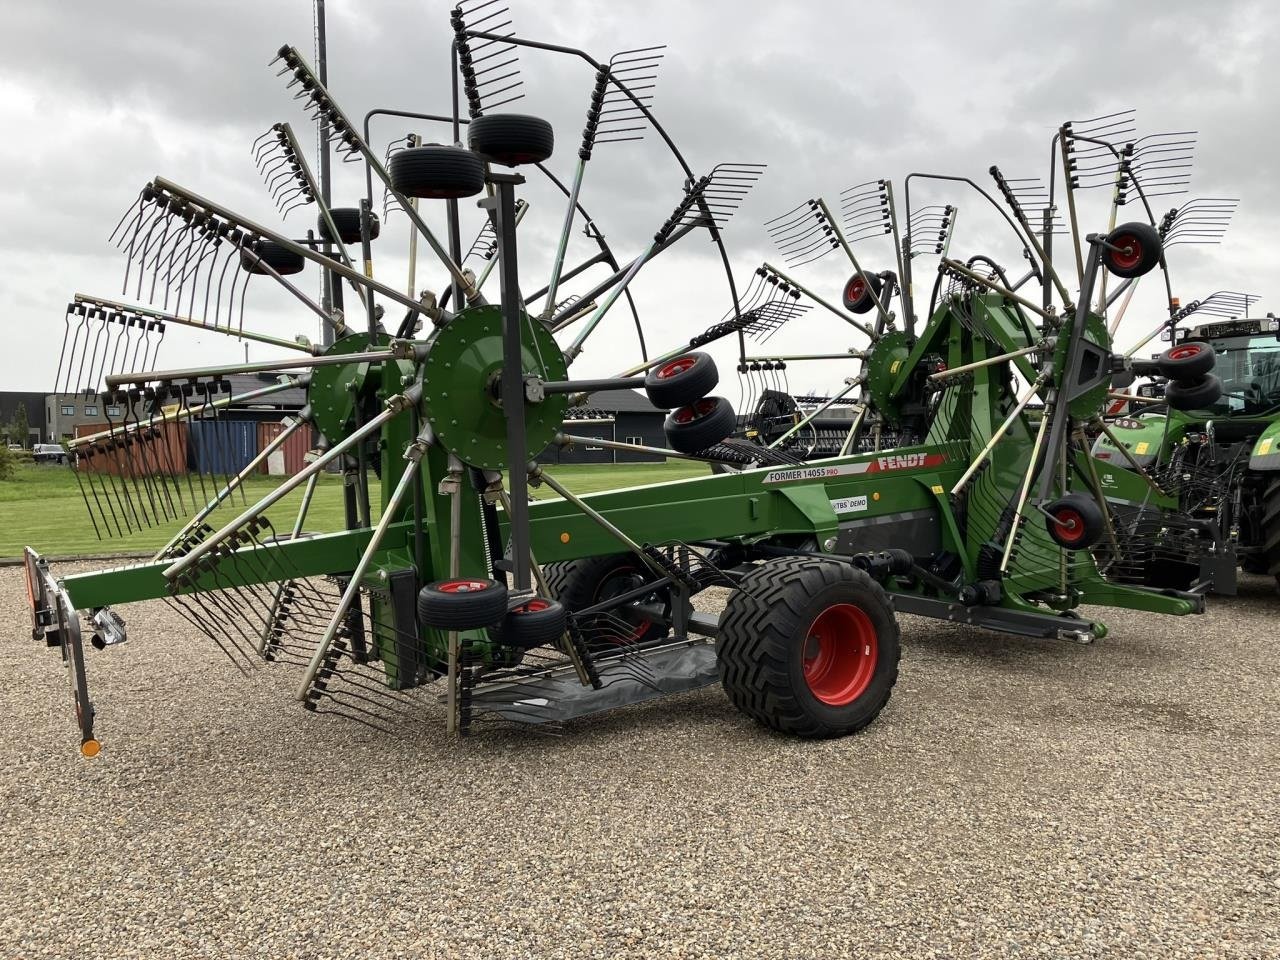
point(98, 98)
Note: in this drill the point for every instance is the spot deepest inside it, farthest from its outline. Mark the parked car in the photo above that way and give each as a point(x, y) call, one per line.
point(15, 448)
point(48, 453)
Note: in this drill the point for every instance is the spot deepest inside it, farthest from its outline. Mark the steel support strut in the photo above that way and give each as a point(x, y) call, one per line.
point(502, 207)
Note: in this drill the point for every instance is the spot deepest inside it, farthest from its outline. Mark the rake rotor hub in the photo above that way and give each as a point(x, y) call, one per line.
point(462, 381)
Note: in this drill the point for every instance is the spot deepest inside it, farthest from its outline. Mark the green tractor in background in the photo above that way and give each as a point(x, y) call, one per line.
point(1219, 457)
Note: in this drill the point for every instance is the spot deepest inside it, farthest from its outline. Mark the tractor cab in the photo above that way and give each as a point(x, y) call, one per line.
point(1248, 364)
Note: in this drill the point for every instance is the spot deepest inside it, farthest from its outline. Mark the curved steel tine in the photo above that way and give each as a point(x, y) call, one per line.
point(66, 335)
point(140, 204)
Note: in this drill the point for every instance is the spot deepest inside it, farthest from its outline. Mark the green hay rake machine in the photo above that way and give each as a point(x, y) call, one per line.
point(462, 599)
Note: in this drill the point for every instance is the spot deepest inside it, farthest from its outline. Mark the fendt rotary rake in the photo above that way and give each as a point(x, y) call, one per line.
point(460, 597)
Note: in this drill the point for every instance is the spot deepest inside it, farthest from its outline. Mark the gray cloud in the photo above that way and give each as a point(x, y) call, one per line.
point(100, 97)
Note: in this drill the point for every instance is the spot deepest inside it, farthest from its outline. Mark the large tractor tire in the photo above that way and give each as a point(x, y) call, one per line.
point(809, 647)
point(1271, 528)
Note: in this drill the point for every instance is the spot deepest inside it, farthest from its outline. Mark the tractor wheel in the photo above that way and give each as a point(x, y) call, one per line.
point(462, 603)
point(1186, 361)
point(1271, 528)
point(682, 381)
point(511, 139)
point(1137, 249)
point(1075, 521)
point(858, 296)
point(347, 220)
point(533, 624)
point(436, 172)
point(594, 580)
point(270, 253)
point(699, 425)
point(1193, 394)
point(808, 647)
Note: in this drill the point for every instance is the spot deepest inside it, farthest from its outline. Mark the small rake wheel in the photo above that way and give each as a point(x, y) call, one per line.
point(347, 220)
point(809, 647)
point(462, 603)
point(533, 624)
point(1074, 522)
point(1132, 249)
point(436, 172)
point(1195, 394)
point(700, 424)
point(511, 139)
point(1186, 361)
point(682, 381)
point(860, 295)
point(267, 253)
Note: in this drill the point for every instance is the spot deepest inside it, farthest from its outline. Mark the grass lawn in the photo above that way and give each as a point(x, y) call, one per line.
point(43, 507)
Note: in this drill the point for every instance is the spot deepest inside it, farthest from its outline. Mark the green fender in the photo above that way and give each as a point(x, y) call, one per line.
point(1144, 437)
point(1266, 451)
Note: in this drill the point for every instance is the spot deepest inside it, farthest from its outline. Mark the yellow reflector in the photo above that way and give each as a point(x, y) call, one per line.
point(90, 748)
point(564, 538)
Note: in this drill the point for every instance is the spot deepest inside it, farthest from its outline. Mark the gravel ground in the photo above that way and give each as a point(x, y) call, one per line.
point(1017, 798)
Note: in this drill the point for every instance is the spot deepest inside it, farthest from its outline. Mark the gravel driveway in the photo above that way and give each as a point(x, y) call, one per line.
point(1017, 798)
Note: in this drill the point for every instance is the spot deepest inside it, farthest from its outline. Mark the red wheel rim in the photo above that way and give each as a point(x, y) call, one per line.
point(1070, 524)
point(1186, 351)
point(463, 586)
point(694, 411)
point(533, 606)
point(840, 654)
point(675, 367)
point(855, 289)
point(1129, 254)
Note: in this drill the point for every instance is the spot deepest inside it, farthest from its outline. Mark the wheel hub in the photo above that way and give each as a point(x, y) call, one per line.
point(840, 654)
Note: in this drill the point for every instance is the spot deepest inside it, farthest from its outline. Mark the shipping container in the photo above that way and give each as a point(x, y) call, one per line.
point(151, 450)
point(222, 447)
point(291, 457)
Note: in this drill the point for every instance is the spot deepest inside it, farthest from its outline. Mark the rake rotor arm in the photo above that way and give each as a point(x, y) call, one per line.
point(188, 322)
point(265, 366)
point(188, 412)
point(857, 324)
point(395, 406)
point(315, 256)
point(320, 96)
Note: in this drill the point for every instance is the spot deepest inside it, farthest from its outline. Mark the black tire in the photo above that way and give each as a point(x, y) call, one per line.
point(1186, 361)
point(860, 297)
point(682, 381)
point(700, 424)
point(279, 259)
point(436, 172)
point(785, 630)
point(1193, 394)
point(593, 580)
point(1271, 528)
point(347, 220)
point(462, 603)
point(511, 139)
point(1138, 249)
point(533, 624)
point(1075, 522)
point(557, 574)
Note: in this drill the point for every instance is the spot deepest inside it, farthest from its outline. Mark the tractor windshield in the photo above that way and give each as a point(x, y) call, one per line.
point(1249, 368)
